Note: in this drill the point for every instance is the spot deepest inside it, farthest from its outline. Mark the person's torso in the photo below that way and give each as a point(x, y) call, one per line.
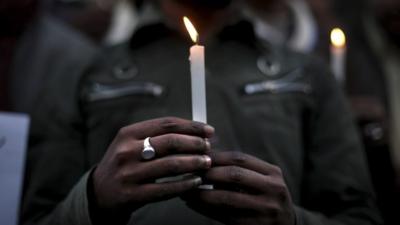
point(258, 102)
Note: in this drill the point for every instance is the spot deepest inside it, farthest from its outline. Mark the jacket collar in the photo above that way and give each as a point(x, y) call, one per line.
point(151, 27)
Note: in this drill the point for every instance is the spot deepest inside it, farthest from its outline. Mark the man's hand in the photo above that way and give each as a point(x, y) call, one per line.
point(124, 182)
point(247, 191)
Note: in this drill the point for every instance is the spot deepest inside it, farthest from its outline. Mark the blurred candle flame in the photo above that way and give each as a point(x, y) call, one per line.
point(191, 29)
point(338, 38)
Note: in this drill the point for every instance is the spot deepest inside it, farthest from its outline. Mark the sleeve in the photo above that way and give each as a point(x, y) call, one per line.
point(55, 187)
point(337, 187)
point(55, 182)
point(72, 210)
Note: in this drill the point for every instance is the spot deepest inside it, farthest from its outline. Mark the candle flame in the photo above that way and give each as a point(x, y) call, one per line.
point(338, 38)
point(191, 29)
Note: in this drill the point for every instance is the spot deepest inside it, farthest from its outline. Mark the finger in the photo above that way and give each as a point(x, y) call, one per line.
point(170, 144)
point(226, 199)
point(167, 125)
point(245, 161)
point(225, 216)
point(241, 206)
point(166, 167)
point(164, 191)
point(239, 177)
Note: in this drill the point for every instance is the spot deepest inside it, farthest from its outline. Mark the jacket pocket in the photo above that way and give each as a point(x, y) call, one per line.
point(291, 83)
point(101, 92)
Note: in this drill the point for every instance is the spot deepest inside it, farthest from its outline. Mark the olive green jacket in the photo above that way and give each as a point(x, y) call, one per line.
point(282, 107)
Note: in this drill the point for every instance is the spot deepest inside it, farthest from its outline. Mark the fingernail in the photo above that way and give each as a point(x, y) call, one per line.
point(208, 161)
point(198, 181)
point(208, 144)
point(209, 130)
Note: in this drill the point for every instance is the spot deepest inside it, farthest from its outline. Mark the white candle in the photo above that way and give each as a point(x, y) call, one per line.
point(338, 55)
point(197, 68)
point(198, 77)
point(199, 105)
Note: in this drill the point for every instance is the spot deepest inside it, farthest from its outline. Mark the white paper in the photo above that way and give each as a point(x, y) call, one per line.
point(13, 140)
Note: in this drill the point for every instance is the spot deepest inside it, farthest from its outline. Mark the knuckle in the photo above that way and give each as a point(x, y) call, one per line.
point(123, 132)
point(277, 170)
point(235, 174)
point(198, 162)
point(169, 123)
point(199, 143)
point(272, 210)
point(184, 186)
point(166, 190)
point(121, 176)
point(126, 194)
point(173, 166)
point(224, 200)
point(280, 190)
point(173, 141)
point(239, 158)
point(282, 193)
point(159, 194)
point(135, 196)
point(197, 127)
point(170, 119)
point(122, 155)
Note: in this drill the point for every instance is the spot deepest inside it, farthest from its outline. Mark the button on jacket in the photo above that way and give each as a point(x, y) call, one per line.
point(279, 106)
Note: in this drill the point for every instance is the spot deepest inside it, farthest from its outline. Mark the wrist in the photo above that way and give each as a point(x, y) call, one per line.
point(94, 210)
point(99, 215)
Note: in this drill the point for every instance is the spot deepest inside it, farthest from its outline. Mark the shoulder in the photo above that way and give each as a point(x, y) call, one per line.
point(55, 57)
point(57, 37)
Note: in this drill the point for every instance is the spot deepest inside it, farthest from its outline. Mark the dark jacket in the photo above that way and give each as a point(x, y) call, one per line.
point(48, 63)
point(48, 54)
point(279, 106)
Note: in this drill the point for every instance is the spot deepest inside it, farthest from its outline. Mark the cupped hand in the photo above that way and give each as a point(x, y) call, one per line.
point(123, 181)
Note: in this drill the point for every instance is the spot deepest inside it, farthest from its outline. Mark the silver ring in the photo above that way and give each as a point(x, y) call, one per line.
point(148, 151)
